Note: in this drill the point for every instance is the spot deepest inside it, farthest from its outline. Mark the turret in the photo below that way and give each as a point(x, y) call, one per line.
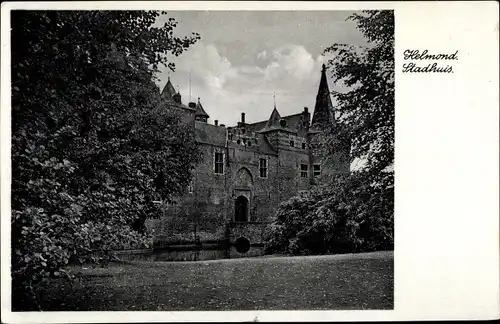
point(200, 114)
point(168, 91)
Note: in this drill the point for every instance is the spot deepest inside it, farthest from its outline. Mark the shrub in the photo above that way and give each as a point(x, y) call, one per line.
point(349, 216)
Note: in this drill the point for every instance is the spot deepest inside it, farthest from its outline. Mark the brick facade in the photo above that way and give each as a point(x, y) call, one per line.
point(246, 172)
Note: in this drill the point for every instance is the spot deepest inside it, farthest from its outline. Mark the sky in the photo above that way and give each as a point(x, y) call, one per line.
point(245, 57)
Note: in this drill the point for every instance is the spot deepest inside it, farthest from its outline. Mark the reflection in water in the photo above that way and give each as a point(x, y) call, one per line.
point(191, 254)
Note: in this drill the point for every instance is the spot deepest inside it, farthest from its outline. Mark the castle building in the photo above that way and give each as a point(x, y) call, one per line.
point(247, 170)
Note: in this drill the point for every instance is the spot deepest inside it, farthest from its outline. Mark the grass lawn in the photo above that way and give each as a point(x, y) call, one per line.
point(349, 281)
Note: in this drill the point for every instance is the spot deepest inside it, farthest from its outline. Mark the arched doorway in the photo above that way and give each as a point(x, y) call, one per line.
point(241, 209)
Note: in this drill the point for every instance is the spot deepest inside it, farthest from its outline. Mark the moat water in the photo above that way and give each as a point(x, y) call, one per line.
point(194, 254)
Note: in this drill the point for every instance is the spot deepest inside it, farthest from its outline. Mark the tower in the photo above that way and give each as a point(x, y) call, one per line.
point(325, 161)
point(323, 110)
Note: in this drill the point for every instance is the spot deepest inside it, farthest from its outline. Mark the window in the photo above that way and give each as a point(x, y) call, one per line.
point(303, 146)
point(303, 170)
point(219, 163)
point(317, 170)
point(191, 187)
point(263, 168)
point(292, 143)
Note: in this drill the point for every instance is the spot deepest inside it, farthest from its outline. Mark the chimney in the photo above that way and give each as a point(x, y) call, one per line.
point(192, 105)
point(306, 110)
point(216, 122)
point(242, 118)
point(222, 125)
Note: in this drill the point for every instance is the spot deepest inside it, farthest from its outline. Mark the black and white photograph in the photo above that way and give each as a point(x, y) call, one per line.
point(202, 160)
point(183, 158)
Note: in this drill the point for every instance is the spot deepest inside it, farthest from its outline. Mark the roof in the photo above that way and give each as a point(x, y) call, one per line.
point(168, 95)
point(264, 145)
point(295, 122)
point(324, 107)
point(216, 135)
point(200, 111)
point(275, 119)
point(254, 127)
point(168, 91)
point(210, 134)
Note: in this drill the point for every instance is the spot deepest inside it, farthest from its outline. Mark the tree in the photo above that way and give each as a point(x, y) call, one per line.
point(366, 111)
point(92, 145)
point(333, 218)
point(353, 212)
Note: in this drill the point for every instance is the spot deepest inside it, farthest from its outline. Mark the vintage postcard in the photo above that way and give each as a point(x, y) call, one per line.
point(249, 161)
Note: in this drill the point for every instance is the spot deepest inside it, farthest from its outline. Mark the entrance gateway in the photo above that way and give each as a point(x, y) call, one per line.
point(241, 209)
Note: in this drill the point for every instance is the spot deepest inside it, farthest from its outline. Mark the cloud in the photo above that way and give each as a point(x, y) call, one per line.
point(227, 90)
point(293, 60)
point(262, 55)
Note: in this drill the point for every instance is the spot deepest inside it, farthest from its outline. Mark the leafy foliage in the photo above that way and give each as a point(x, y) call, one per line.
point(92, 145)
point(354, 212)
point(334, 219)
point(366, 111)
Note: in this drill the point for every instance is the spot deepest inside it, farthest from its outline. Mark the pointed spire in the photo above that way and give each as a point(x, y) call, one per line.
point(274, 120)
point(323, 110)
point(168, 91)
point(200, 112)
point(274, 99)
